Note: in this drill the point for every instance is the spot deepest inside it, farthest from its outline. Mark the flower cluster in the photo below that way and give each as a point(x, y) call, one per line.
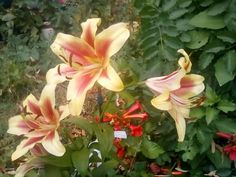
point(87, 61)
point(131, 119)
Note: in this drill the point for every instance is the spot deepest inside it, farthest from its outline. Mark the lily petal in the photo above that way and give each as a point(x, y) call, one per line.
point(184, 61)
point(89, 30)
point(47, 103)
point(162, 102)
point(29, 165)
point(18, 126)
point(64, 111)
point(110, 40)
point(78, 87)
point(191, 85)
point(110, 79)
point(60, 73)
point(179, 123)
point(31, 104)
point(53, 145)
point(24, 147)
point(73, 50)
point(166, 83)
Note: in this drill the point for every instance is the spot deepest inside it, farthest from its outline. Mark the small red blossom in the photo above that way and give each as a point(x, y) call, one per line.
point(231, 150)
point(119, 148)
point(136, 130)
point(224, 135)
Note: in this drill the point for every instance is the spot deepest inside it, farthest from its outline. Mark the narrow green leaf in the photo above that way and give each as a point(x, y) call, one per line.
point(227, 36)
point(214, 46)
point(218, 8)
point(202, 20)
point(211, 114)
point(206, 3)
point(184, 3)
point(80, 160)
point(167, 5)
point(198, 39)
point(226, 106)
point(173, 43)
point(177, 13)
point(151, 149)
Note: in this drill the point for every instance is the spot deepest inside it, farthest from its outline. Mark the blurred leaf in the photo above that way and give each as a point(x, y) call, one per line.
point(81, 123)
point(225, 125)
point(185, 37)
point(227, 36)
point(63, 161)
point(52, 171)
point(219, 160)
point(211, 114)
point(226, 106)
point(167, 5)
point(205, 59)
point(205, 139)
point(173, 43)
point(206, 3)
point(198, 39)
point(105, 136)
point(202, 20)
point(184, 3)
point(8, 17)
point(177, 13)
point(190, 153)
point(151, 149)
point(80, 160)
point(197, 112)
point(218, 8)
point(104, 168)
point(211, 96)
point(225, 68)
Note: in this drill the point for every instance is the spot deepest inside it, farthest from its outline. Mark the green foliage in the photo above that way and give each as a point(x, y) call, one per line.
point(206, 29)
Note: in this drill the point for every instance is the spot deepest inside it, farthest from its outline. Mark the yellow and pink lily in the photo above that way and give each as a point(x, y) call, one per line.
point(38, 124)
point(87, 60)
point(176, 92)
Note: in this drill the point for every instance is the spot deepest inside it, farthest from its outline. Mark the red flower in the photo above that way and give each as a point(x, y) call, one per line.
point(231, 150)
point(136, 130)
point(224, 135)
point(119, 148)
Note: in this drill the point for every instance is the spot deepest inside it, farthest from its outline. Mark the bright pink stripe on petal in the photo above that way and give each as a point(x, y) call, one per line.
point(32, 141)
point(34, 108)
point(48, 111)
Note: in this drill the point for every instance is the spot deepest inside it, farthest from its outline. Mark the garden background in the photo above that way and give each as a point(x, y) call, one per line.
point(205, 29)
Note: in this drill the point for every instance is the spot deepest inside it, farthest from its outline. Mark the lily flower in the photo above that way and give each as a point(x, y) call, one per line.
point(176, 92)
point(87, 60)
point(38, 124)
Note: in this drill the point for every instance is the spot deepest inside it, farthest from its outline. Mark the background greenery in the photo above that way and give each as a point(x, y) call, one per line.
point(205, 29)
